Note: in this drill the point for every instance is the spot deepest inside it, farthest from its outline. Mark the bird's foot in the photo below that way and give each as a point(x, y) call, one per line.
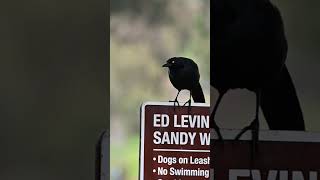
point(189, 106)
point(175, 101)
point(254, 127)
point(217, 129)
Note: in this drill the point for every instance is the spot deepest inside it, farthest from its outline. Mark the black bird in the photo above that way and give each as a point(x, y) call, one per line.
point(249, 49)
point(184, 74)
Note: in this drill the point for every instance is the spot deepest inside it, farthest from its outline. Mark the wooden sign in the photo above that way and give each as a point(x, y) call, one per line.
point(174, 142)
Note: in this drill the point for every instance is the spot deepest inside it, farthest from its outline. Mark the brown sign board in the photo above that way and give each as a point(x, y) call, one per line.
point(280, 155)
point(174, 142)
point(174, 145)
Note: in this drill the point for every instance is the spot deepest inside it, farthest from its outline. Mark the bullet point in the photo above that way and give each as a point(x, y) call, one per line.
point(154, 170)
point(154, 159)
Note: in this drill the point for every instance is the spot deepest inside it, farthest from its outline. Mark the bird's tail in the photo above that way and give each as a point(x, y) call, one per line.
point(197, 94)
point(280, 104)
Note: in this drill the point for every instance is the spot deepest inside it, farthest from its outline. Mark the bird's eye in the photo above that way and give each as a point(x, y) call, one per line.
point(172, 62)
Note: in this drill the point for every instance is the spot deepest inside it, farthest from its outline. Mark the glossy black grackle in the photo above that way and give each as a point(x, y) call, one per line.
point(184, 74)
point(249, 50)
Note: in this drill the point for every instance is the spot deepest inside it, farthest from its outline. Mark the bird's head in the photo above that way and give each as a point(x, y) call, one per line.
point(174, 63)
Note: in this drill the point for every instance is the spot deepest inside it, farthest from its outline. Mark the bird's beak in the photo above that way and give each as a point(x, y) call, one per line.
point(166, 65)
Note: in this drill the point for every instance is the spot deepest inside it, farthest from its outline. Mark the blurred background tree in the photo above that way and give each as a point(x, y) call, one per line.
point(144, 34)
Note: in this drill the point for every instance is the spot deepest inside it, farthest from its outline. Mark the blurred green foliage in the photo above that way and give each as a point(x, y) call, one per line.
point(139, 48)
point(144, 34)
point(125, 160)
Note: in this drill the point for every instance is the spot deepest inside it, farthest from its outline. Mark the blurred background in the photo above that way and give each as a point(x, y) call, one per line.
point(54, 79)
point(53, 88)
point(143, 35)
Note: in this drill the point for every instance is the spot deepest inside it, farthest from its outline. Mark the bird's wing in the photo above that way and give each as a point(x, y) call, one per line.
point(197, 94)
point(280, 104)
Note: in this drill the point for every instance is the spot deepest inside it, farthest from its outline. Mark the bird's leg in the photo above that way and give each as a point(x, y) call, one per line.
point(213, 123)
point(175, 101)
point(254, 126)
point(188, 102)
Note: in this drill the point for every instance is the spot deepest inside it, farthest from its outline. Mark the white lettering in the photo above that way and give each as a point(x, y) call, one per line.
point(156, 120)
point(156, 138)
point(204, 138)
point(160, 120)
point(192, 121)
point(184, 121)
point(167, 160)
point(178, 138)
